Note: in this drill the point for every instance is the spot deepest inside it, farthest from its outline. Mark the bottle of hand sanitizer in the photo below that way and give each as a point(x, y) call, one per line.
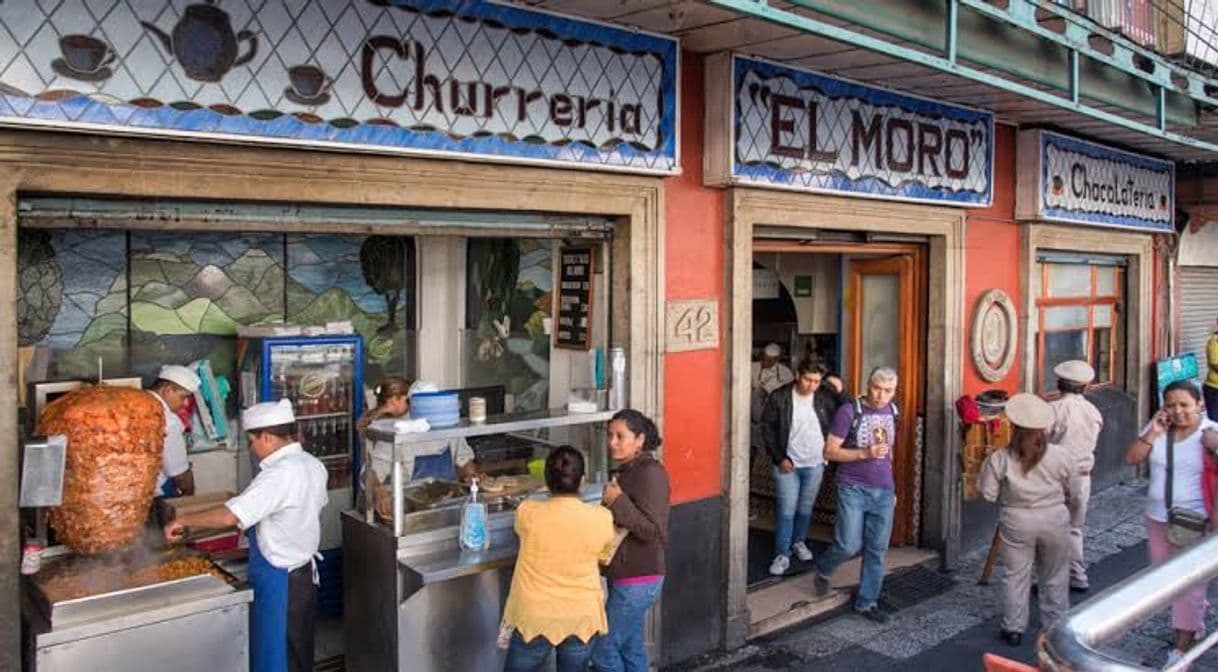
point(473, 535)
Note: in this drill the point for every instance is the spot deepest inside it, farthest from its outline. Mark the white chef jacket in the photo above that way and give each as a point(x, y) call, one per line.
point(284, 500)
point(173, 453)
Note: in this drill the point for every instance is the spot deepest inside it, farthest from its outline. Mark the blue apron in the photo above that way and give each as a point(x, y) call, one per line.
point(439, 466)
point(169, 489)
point(269, 616)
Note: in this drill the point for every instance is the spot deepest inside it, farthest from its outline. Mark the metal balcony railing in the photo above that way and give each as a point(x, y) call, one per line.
point(1074, 642)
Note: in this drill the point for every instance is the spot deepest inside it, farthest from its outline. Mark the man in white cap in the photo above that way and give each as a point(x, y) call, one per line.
point(767, 375)
point(280, 512)
point(1076, 427)
point(174, 385)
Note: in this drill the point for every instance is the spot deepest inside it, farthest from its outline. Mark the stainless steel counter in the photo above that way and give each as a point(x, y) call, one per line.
point(196, 624)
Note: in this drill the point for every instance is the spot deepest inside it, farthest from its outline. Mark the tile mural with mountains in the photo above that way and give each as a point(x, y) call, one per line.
point(189, 292)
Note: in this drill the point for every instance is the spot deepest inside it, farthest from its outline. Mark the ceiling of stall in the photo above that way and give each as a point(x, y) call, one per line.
point(705, 28)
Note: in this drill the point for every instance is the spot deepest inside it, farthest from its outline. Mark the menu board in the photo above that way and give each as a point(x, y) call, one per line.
point(573, 328)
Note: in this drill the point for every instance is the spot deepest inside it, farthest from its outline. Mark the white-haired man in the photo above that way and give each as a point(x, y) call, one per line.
point(860, 441)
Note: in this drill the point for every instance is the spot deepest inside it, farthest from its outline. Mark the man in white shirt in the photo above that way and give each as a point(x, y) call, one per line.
point(174, 385)
point(280, 512)
point(794, 423)
point(1076, 427)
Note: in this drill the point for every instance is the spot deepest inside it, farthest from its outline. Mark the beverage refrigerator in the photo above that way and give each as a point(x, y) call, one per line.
point(323, 377)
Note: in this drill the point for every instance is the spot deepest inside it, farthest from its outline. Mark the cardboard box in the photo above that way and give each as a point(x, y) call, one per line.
point(168, 508)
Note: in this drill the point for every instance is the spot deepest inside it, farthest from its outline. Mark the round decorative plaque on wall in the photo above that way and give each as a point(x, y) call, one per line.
point(993, 341)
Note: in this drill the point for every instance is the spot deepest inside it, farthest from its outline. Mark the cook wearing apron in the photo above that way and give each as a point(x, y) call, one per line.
point(1076, 427)
point(1036, 484)
point(280, 512)
point(174, 385)
point(440, 459)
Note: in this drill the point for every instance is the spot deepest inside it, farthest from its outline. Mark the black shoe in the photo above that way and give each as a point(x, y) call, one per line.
point(874, 614)
point(820, 585)
point(1080, 589)
point(1012, 638)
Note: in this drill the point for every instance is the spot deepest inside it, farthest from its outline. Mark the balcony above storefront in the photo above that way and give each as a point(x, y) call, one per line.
point(1131, 79)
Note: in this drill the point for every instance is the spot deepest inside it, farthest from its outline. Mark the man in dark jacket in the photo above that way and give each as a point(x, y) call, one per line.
point(794, 424)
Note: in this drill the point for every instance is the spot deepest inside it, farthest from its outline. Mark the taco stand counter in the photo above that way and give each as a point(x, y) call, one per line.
point(413, 599)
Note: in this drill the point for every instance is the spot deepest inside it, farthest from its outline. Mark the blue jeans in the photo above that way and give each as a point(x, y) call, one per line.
point(624, 648)
point(573, 654)
point(864, 522)
point(794, 494)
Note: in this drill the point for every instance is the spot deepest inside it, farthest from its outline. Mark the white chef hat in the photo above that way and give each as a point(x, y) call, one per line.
point(1029, 411)
point(1075, 370)
point(772, 350)
point(181, 376)
point(422, 387)
point(267, 414)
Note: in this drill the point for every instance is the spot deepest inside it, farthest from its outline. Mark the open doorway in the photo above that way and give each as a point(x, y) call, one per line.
point(850, 306)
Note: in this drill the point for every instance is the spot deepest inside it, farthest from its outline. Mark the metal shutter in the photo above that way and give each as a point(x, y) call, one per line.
point(1198, 308)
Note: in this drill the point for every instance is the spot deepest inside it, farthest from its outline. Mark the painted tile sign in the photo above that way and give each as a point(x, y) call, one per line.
point(799, 130)
point(465, 77)
point(1065, 179)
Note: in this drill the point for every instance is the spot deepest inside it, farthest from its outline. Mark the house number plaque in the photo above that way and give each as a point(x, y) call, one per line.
point(692, 325)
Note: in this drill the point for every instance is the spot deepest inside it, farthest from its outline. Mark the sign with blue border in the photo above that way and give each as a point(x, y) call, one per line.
point(467, 78)
point(1065, 179)
point(800, 130)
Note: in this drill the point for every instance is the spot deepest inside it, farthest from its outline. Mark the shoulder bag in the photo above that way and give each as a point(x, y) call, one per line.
point(1184, 526)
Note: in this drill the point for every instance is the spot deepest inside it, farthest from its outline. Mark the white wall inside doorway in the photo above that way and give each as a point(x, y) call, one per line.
point(817, 314)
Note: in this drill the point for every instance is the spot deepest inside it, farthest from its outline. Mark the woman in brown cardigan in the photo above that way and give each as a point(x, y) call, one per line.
point(638, 498)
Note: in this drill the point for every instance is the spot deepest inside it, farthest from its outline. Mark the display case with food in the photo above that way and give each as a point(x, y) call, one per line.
point(415, 583)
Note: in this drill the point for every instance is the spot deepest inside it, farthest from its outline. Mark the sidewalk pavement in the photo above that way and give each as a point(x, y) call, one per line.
point(953, 629)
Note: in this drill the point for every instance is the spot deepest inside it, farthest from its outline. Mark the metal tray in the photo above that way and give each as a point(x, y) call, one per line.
point(131, 600)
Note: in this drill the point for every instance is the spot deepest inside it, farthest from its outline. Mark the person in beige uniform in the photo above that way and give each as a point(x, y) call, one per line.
point(1076, 427)
point(1036, 485)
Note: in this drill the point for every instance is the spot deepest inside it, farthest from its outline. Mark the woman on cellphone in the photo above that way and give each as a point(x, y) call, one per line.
point(1178, 441)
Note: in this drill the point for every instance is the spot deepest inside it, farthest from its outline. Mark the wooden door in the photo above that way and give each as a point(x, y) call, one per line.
point(885, 317)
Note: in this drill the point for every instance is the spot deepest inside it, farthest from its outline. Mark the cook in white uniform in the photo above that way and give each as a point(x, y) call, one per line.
point(1076, 427)
point(767, 375)
point(174, 385)
point(441, 459)
point(280, 512)
point(1035, 483)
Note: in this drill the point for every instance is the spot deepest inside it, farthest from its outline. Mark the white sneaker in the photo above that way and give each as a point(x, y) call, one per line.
point(1174, 657)
point(801, 551)
point(780, 565)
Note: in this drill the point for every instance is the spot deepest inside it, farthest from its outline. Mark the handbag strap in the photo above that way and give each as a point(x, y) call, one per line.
point(1171, 477)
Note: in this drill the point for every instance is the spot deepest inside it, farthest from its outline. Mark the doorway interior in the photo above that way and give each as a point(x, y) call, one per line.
point(851, 305)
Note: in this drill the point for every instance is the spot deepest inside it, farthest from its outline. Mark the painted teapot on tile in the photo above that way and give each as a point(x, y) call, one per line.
point(204, 44)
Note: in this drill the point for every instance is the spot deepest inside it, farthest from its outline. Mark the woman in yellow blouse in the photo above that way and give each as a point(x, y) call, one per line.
point(556, 602)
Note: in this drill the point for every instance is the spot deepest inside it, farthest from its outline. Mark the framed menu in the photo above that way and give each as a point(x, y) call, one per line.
point(573, 326)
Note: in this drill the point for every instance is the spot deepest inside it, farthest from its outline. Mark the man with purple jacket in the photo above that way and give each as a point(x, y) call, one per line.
point(860, 441)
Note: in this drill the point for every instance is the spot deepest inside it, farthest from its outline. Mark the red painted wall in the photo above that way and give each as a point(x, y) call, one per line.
point(694, 257)
point(992, 258)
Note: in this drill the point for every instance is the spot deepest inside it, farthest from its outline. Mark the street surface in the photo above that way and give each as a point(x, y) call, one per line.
point(952, 630)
